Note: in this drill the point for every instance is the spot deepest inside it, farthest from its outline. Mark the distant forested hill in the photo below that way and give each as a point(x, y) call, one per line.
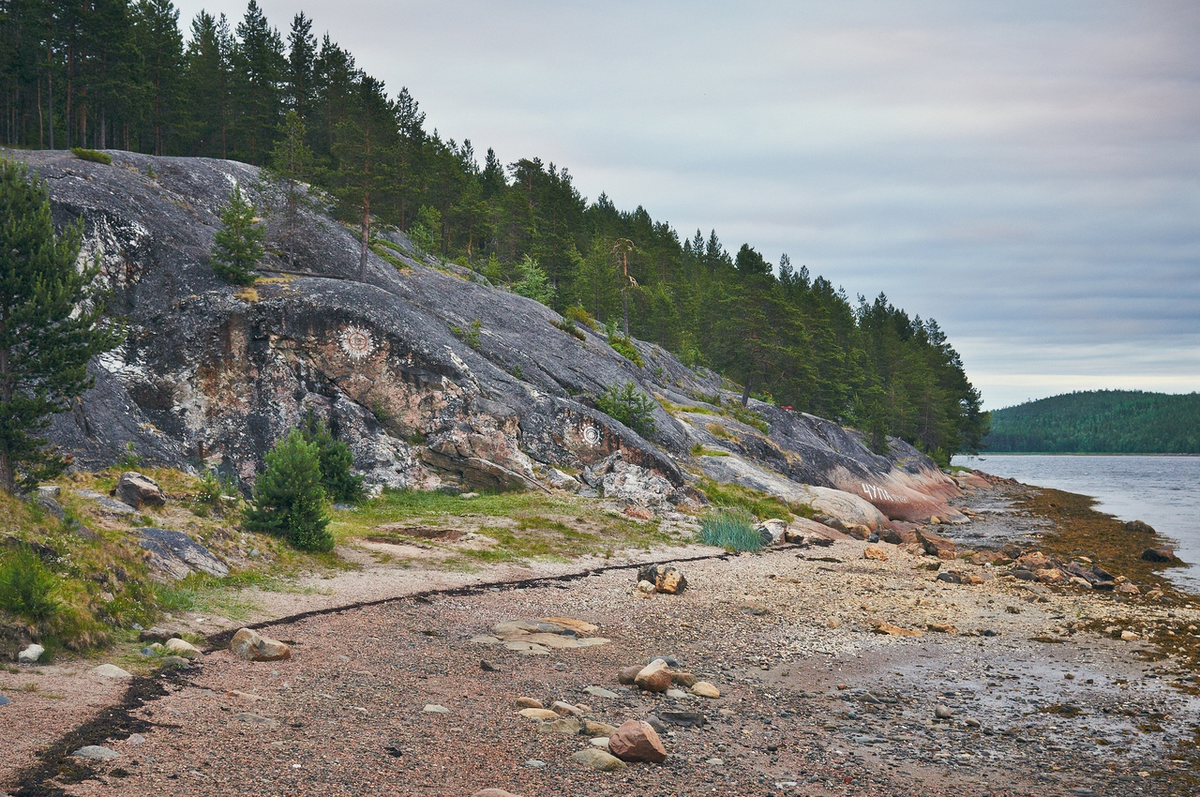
point(1100, 422)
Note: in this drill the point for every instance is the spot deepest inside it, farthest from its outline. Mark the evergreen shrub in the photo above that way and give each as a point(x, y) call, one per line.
point(630, 406)
point(731, 529)
point(335, 462)
point(238, 245)
point(289, 500)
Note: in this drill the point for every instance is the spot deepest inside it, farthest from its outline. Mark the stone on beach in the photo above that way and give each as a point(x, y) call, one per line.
point(636, 740)
point(248, 644)
point(654, 677)
point(598, 759)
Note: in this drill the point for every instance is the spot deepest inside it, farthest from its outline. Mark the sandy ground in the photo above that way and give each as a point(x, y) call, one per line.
point(813, 701)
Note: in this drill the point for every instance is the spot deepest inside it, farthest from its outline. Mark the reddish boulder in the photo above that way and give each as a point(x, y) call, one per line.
point(654, 677)
point(637, 741)
point(936, 545)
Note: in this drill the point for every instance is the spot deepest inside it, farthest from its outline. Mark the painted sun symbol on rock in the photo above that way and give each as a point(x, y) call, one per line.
point(356, 342)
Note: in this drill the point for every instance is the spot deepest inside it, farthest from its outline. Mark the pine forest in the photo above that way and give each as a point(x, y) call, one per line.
point(111, 74)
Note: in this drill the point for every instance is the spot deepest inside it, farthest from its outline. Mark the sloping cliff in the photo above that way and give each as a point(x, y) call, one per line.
point(429, 375)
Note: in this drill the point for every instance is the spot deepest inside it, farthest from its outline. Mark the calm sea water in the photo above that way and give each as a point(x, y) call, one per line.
point(1163, 491)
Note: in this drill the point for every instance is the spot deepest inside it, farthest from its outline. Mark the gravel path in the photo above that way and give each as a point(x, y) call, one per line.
point(813, 702)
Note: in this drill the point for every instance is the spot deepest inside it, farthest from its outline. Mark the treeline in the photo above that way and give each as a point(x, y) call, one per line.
point(1100, 422)
point(115, 74)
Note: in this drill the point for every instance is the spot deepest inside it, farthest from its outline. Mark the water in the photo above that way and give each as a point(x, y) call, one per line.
point(1163, 491)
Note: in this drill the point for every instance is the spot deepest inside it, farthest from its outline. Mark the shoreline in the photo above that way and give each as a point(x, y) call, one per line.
point(786, 635)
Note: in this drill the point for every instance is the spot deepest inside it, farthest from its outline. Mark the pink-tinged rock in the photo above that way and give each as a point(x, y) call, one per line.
point(637, 741)
point(627, 674)
point(250, 645)
point(900, 534)
point(654, 677)
point(494, 793)
point(935, 544)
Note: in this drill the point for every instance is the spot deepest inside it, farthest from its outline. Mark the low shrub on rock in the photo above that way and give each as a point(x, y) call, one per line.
point(732, 529)
point(630, 406)
point(289, 500)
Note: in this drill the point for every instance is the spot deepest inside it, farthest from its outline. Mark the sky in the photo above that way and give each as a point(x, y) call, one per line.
point(1026, 173)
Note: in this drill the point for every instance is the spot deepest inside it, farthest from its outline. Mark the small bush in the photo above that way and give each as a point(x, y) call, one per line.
point(289, 500)
point(469, 336)
point(95, 156)
point(568, 326)
point(27, 587)
point(630, 406)
point(130, 459)
point(624, 347)
point(578, 315)
point(731, 529)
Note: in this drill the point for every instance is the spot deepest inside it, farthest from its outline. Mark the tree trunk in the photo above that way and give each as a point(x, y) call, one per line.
point(366, 230)
point(625, 307)
point(746, 393)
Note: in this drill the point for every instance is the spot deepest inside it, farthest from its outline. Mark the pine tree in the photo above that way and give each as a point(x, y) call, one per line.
point(237, 246)
point(366, 151)
point(51, 324)
point(260, 68)
point(289, 501)
point(291, 163)
point(335, 461)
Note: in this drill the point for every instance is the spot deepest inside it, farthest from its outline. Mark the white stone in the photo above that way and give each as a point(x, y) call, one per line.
point(110, 671)
point(31, 654)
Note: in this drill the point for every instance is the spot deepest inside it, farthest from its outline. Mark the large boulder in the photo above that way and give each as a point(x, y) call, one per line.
point(637, 740)
point(138, 490)
point(174, 555)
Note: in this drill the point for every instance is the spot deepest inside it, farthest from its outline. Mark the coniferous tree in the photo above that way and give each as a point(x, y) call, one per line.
point(259, 69)
point(366, 151)
point(156, 32)
point(51, 324)
point(335, 461)
point(238, 245)
point(289, 500)
point(291, 163)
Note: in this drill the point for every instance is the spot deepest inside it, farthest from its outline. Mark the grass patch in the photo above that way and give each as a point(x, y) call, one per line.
point(731, 529)
point(535, 525)
point(699, 450)
point(378, 248)
point(756, 502)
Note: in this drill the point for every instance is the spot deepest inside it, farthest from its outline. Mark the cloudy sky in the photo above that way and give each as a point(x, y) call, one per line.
point(1027, 173)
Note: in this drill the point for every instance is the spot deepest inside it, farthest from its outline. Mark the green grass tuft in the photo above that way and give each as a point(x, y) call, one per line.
point(731, 529)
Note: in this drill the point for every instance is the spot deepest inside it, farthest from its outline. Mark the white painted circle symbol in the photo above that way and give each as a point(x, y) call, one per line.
point(356, 342)
point(591, 435)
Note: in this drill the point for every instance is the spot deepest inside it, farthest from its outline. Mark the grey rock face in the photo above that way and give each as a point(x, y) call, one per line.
point(211, 375)
point(175, 554)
